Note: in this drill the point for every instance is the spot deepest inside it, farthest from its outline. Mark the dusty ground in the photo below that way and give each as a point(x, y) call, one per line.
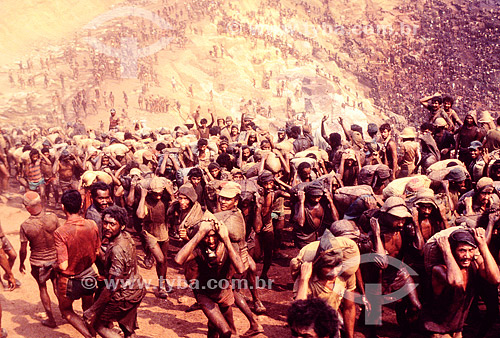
point(22, 310)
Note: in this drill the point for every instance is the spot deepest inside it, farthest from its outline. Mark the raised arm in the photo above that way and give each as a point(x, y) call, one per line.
point(346, 133)
point(233, 255)
point(488, 268)
point(301, 214)
point(141, 208)
point(450, 275)
point(323, 132)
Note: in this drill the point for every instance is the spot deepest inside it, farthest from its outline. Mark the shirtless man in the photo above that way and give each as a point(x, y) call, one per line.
point(4, 170)
point(313, 213)
point(49, 177)
point(33, 173)
point(152, 209)
point(455, 282)
point(203, 126)
point(65, 166)
point(210, 256)
point(390, 149)
point(38, 231)
point(232, 217)
point(393, 234)
point(264, 226)
point(427, 215)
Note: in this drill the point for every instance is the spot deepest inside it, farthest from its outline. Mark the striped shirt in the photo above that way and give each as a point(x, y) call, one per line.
point(34, 172)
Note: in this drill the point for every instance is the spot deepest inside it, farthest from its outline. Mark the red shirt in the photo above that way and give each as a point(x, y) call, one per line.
point(77, 242)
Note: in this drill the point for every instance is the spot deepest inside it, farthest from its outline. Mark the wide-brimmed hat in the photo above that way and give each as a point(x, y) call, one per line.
point(457, 174)
point(425, 196)
point(396, 206)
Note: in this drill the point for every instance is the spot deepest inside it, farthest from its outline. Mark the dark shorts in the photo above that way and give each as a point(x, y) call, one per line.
point(43, 273)
point(122, 311)
point(223, 298)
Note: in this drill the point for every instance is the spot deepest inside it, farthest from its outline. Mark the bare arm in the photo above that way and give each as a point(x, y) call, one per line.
point(452, 274)
point(346, 133)
point(186, 253)
point(305, 275)
point(323, 132)
point(4, 263)
point(301, 215)
point(23, 252)
point(131, 195)
point(378, 245)
point(488, 268)
point(233, 255)
point(335, 213)
point(284, 162)
point(141, 208)
point(394, 151)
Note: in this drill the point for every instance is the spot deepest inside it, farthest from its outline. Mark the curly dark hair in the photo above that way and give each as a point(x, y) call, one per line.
point(304, 313)
point(116, 212)
point(98, 186)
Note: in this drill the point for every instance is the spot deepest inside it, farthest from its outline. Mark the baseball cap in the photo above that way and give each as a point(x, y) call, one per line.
point(475, 145)
point(456, 175)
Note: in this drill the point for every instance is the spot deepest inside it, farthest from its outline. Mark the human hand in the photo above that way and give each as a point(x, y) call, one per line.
point(183, 234)
point(329, 196)
point(302, 195)
point(22, 268)
point(443, 242)
point(206, 226)
point(89, 316)
point(306, 271)
point(222, 231)
point(324, 118)
point(479, 236)
point(375, 226)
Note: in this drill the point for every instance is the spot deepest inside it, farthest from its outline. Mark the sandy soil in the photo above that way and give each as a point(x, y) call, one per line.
point(23, 311)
